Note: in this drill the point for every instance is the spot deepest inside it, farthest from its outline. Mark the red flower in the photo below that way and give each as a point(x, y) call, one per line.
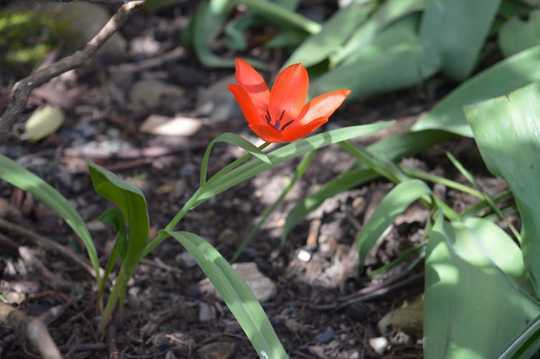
point(282, 115)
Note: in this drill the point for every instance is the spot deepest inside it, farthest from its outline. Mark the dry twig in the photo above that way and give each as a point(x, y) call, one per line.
point(22, 89)
point(32, 329)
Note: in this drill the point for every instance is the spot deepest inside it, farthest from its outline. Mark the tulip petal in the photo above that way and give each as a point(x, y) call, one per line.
point(253, 83)
point(294, 133)
point(251, 114)
point(267, 133)
point(289, 92)
point(322, 106)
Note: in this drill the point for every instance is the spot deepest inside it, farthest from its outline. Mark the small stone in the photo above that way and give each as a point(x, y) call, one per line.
point(379, 344)
point(206, 312)
point(43, 122)
point(170, 126)
point(218, 350)
point(152, 94)
point(326, 336)
point(304, 255)
point(186, 260)
point(263, 288)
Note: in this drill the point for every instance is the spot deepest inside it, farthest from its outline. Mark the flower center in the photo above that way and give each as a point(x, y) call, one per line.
point(277, 123)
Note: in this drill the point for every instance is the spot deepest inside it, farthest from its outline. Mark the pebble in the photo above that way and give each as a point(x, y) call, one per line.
point(217, 350)
point(378, 344)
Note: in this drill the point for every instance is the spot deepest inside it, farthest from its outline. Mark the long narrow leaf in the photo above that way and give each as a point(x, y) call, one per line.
point(236, 294)
point(18, 176)
point(392, 205)
point(232, 139)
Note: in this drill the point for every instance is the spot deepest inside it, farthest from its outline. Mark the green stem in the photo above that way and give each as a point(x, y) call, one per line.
point(276, 12)
point(441, 180)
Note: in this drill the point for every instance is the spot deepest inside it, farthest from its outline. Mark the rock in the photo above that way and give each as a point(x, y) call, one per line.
point(206, 312)
point(82, 20)
point(407, 318)
point(43, 122)
point(263, 288)
point(217, 103)
point(170, 126)
point(218, 350)
point(153, 94)
point(326, 336)
point(186, 260)
point(379, 344)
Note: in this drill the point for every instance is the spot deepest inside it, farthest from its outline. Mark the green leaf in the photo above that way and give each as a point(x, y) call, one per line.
point(286, 39)
point(394, 60)
point(232, 139)
point(131, 202)
point(390, 148)
point(392, 205)
point(333, 34)
point(207, 22)
point(20, 177)
point(505, 76)
point(506, 132)
point(517, 35)
point(295, 149)
point(386, 14)
point(236, 294)
point(526, 345)
point(455, 30)
point(474, 306)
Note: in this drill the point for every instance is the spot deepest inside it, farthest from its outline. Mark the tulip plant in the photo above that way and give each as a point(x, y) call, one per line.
point(279, 115)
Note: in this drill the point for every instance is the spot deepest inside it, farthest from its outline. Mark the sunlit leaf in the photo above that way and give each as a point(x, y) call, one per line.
point(507, 132)
point(474, 306)
point(20, 177)
point(236, 294)
point(455, 31)
point(506, 76)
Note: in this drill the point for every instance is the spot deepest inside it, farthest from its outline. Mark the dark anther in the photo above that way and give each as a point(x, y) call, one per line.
point(278, 122)
point(286, 125)
point(268, 118)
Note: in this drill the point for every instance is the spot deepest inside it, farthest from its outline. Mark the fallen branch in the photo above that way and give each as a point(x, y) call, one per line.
point(22, 89)
point(33, 329)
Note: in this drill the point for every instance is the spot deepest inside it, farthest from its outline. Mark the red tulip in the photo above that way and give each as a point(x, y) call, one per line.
point(282, 114)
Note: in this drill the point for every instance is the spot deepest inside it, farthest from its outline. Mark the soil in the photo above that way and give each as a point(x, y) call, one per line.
point(320, 309)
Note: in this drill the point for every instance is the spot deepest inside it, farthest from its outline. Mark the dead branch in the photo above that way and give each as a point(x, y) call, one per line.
point(33, 329)
point(22, 89)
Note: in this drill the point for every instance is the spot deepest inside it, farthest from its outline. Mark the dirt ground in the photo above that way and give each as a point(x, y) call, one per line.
point(322, 308)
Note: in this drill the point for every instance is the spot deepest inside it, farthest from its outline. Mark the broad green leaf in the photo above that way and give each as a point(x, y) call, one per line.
point(455, 30)
point(20, 177)
point(286, 39)
point(236, 294)
point(236, 31)
point(232, 139)
point(508, 75)
point(517, 35)
point(526, 345)
point(506, 130)
point(385, 15)
point(285, 153)
point(333, 34)
point(392, 205)
point(131, 202)
point(282, 15)
point(390, 148)
point(394, 60)
point(474, 306)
